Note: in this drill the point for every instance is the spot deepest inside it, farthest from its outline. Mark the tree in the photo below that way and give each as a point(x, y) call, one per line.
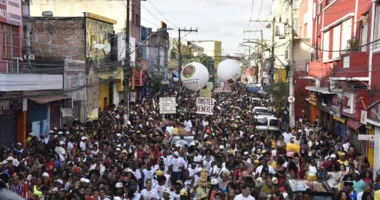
point(154, 80)
point(279, 92)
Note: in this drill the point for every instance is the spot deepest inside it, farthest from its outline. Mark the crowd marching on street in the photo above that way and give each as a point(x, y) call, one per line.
point(186, 156)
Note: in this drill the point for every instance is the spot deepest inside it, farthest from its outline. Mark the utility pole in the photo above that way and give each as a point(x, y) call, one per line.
point(180, 54)
point(291, 68)
point(272, 59)
point(127, 64)
point(261, 49)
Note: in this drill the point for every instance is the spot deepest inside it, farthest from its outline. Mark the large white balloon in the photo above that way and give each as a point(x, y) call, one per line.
point(194, 76)
point(229, 70)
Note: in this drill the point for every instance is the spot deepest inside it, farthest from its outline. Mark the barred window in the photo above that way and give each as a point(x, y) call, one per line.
point(10, 41)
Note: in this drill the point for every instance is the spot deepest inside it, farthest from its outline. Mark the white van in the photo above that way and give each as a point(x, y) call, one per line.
point(267, 123)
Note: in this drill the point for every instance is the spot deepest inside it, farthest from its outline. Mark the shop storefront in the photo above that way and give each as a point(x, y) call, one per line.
point(314, 112)
point(335, 103)
point(11, 120)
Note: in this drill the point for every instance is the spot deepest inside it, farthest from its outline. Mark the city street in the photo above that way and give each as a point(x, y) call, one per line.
point(190, 100)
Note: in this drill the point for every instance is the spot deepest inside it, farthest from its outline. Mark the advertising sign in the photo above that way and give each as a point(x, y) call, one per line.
point(167, 105)
point(348, 102)
point(366, 137)
point(205, 106)
point(335, 105)
point(10, 12)
point(205, 93)
point(363, 117)
point(313, 99)
point(14, 12)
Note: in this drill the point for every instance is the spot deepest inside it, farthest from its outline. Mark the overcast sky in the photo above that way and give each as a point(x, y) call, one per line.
point(223, 20)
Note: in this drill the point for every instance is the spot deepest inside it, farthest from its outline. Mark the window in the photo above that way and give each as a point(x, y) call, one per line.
point(346, 34)
point(10, 41)
point(336, 42)
point(328, 2)
point(326, 45)
point(364, 37)
point(346, 62)
point(319, 10)
point(376, 33)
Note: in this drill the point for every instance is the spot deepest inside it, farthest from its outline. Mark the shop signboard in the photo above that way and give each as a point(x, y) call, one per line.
point(348, 102)
point(205, 106)
point(168, 105)
point(10, 12)
point(335, 105)
point(313, 99)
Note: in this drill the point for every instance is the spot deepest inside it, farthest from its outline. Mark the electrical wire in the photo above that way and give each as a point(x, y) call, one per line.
point(162, 14)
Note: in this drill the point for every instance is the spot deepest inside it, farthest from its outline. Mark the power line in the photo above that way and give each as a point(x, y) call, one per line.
point(150, 12)
point(162, 14)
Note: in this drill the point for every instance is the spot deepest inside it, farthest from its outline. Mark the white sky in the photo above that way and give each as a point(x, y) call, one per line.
point(223, 20)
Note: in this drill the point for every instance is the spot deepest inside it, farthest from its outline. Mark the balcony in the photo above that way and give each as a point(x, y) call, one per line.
point(30, 82)
point(352, 65)
point(319, 69)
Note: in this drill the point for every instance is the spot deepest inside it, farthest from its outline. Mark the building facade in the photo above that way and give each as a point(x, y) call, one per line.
point(82, 50)
point(343, 94)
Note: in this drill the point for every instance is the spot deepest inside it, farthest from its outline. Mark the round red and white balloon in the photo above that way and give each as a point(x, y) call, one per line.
point(194, 76)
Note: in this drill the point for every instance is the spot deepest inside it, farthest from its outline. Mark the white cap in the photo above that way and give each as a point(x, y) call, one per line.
point(119, 185)
point(59, 181)
point(246, 153)
point(83, 138)
point(51, 131)
point(86, 180)
point(176, 153)
point(118, 149)
point(45, 174)
point(333, 156)
point(285, 195)
point(61, 142)
point(19, 143)
point(60, 132)
point(119, 145)
point(67, 132)
point(118, 134)
point(214, 181)
point(221, 147)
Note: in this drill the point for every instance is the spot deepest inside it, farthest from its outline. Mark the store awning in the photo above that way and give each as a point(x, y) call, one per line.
point(322, 90)
point(47, 99)
point(353, 124)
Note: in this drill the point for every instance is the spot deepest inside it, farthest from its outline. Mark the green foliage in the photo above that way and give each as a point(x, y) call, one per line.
point(279, 92)
point(154, 79)
point(353, 44)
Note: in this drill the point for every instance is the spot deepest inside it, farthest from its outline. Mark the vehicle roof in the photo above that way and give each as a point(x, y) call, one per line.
point(266, 116)
point(299, 185)
point(261, 107)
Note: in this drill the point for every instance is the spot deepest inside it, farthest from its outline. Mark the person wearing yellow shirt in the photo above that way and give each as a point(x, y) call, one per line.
point(342, 159)
point(292, 147)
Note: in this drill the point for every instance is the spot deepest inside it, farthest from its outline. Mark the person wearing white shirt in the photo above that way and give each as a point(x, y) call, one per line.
point(61, 151)
point(148, 172)
point(149, 193)
point(82, 143)
point(176, 165)
point(246, 194)
point(287, 136)
point(188, 125)
point(264, 164)
point(170, 129)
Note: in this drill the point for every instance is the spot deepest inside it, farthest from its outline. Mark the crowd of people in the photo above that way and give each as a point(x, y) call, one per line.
point(227, 158)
